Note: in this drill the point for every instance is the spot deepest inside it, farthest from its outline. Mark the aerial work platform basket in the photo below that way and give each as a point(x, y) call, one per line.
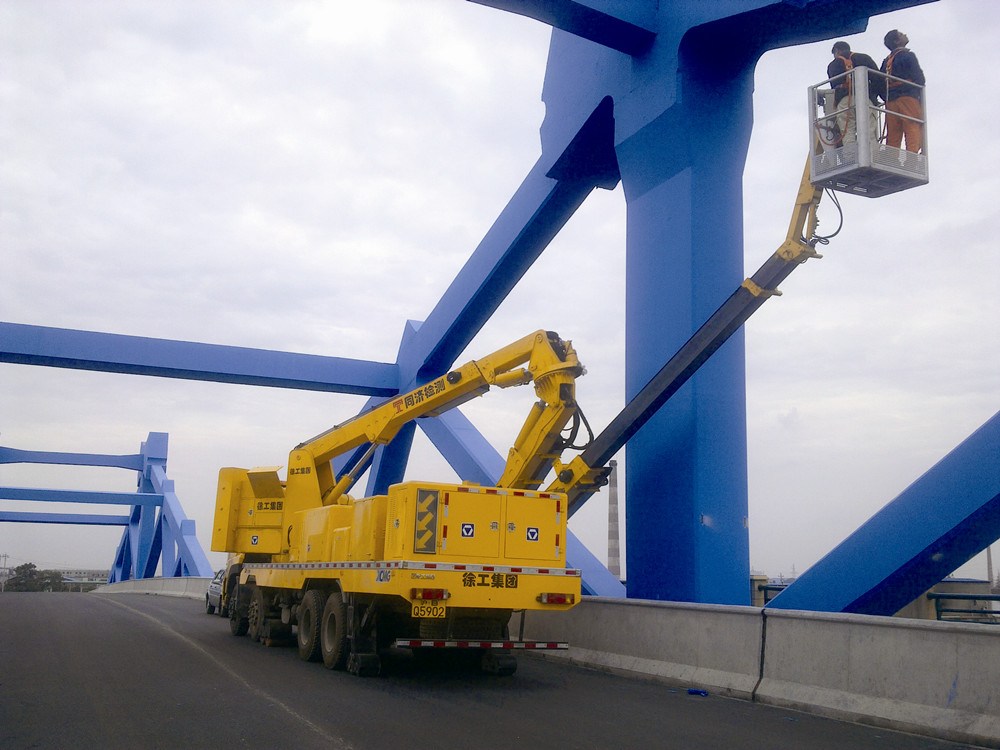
point(847, 138)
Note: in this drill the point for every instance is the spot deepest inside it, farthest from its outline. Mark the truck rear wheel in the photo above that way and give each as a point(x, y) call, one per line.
point(333, 632)
point(310, 617)
point(256, 614)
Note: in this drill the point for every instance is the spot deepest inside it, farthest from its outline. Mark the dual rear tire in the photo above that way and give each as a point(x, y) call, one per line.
point(322, 628)
point(333, 643)
point(310, 617)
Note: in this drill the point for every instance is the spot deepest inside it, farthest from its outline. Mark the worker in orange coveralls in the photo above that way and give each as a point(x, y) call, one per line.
point(900, 96)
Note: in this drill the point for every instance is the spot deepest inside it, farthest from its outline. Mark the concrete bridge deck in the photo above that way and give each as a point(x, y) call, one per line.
point(98, 671)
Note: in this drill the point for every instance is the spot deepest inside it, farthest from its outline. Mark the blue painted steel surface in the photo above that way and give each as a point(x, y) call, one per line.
point(76, 519)
point(464, 447)
point(937, 524)
point(14, 456)
point(167, 537)
point(534, 215)
point(623, 25)
point(81, 496)
point(156, 527)
point(136, 355)
point(597, 580)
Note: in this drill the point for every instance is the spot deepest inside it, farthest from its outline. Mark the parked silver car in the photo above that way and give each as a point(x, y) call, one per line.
point(214, 600)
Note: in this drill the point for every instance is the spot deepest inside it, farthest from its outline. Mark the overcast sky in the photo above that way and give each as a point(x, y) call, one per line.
point(306, 176)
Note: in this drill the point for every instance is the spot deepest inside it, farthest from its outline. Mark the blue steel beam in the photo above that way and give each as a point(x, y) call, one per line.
point(622, 26)
point(142, 534)
point(81, 496)
point(534, 215)
point(938, 523)
point(464, 447)
point(136, 355)
point(15, 456)
point(682, 122)
point(77, 519)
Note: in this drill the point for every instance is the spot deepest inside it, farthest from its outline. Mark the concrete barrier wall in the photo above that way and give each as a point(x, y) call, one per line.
point(188, 588)
point(914, 675)
point(934, 678)
point(714, 648)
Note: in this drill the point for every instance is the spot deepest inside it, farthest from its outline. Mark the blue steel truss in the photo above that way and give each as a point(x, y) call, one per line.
point(656, 96)
point(156, 528)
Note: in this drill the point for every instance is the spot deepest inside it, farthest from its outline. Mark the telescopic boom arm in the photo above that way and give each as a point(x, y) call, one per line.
point(585, 474)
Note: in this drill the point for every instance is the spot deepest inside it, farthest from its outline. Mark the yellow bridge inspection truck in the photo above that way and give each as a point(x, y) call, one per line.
point(427, 565)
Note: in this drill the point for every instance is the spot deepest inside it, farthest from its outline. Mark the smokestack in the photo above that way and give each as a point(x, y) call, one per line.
point(614, 551)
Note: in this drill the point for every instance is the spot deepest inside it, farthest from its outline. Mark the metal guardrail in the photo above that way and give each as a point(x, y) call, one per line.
point(769, 587)
point(986, 616)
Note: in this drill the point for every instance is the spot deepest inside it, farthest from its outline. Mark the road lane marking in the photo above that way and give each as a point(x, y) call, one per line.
point(338, 743)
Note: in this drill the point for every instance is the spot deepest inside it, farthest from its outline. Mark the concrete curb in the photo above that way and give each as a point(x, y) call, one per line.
point(189, 587)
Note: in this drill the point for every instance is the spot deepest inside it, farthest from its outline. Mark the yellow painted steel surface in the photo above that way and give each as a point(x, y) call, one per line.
point(470, 586)
point(487, 547)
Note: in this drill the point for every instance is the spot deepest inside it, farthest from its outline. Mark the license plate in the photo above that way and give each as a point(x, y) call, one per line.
point(429, 610)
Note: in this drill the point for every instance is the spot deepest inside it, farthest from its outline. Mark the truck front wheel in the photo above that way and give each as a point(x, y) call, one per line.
point(237, 625)
point(333, 632)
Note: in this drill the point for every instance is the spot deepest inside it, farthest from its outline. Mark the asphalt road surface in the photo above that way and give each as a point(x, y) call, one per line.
point(130, 671)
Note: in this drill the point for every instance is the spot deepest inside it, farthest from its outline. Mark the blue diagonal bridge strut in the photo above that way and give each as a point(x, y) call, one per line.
point(937, 524)
point(654, 96)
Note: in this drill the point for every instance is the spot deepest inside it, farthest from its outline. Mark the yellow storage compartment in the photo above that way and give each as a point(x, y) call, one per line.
point(470, 525)
point(535, 529)
point(340, 545)
point(368, 529)
point(317, 532)
point(411, 524)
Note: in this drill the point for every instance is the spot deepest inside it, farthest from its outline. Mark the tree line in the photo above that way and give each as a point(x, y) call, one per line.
point(28, 577)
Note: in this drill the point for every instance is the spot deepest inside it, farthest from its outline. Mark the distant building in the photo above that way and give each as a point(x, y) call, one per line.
point(84, 578)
